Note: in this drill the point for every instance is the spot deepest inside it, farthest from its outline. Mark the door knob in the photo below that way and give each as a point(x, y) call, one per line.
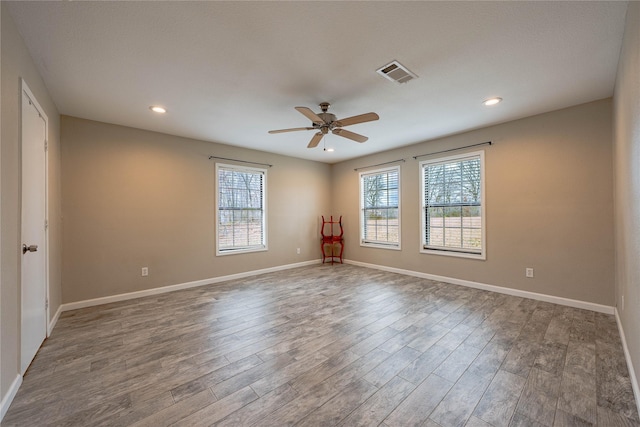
point(30, 248)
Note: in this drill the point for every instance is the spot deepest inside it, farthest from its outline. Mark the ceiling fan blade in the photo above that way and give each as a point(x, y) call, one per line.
point(351, 135)
point(315, 140)
point(310, 115)
point(362, 118)
point(289, 130)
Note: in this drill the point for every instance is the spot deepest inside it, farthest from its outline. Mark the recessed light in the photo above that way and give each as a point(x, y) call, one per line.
point(330, 150)
point(157, 109)
point(491, 101)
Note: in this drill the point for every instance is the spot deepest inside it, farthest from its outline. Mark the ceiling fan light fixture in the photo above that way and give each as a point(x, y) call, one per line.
point(492, 101)
point(158, 109)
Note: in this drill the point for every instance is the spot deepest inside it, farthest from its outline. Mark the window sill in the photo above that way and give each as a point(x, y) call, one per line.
point(380, 246)
point(240, 251)
point(481, 256)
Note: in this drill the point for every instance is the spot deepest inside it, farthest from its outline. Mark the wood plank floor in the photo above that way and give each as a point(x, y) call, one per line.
point(329, 345)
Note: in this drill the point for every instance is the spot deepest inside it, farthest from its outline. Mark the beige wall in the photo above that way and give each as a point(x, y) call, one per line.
point(548, 206)
point(135, 198)
point(627, 184)
point(16, 64)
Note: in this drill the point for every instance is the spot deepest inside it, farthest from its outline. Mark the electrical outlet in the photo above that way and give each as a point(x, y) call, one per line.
point(145, 271)
point(528, 272)
point(298, 251)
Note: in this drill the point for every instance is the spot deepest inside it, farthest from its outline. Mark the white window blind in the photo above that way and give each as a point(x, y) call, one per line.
point(241, 209)
point(452, 203)
point(380, 208)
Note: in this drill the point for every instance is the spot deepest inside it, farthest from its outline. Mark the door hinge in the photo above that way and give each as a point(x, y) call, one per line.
point(46, 224)
point(46, 145)
point(46, 305)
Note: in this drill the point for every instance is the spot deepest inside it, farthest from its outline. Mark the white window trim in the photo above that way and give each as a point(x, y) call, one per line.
point(264, 208)
point(454, 252)
point(392, 246)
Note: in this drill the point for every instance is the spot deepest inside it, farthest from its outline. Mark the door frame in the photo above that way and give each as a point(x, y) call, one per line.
point(24, 89)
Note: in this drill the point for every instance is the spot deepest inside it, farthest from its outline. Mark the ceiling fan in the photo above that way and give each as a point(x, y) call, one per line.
point(325, 122)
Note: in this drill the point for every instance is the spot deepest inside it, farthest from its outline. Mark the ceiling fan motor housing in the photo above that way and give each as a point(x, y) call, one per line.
point(328, 118)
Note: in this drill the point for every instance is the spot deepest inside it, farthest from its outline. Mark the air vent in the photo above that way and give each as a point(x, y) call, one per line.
point(396, 72)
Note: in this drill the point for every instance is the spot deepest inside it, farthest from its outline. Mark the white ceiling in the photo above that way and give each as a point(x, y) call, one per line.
point(230, 71)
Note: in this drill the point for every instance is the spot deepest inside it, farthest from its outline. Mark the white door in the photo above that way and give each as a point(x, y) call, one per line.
point(34, 250)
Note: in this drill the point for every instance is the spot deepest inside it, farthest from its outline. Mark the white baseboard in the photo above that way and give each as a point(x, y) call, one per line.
point(164, 289)
point(493, 288)
point(8, 398)
point(53, 321)
point(627, 355)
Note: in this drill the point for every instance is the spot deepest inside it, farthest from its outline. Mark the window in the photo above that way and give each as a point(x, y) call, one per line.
point(453, 205)
point(241, 209)
point(380, 208)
